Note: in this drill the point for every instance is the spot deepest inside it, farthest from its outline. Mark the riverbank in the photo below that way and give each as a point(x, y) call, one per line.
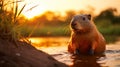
point(22, 54)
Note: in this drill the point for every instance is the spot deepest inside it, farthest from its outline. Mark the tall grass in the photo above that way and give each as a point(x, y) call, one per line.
point(9, 24)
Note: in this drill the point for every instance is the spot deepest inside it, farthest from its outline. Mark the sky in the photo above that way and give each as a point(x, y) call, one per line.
point(40, 6)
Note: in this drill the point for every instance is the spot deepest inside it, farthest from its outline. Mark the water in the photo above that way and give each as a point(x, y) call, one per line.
point(57, 47)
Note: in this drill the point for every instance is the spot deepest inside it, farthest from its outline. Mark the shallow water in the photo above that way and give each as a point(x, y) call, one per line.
point(57, 47)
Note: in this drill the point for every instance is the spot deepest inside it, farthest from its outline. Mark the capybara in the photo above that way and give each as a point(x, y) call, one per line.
point(85, 38)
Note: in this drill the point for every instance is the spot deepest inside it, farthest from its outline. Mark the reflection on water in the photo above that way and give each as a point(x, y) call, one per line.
point(49, 41)
point(86, 61)
point(57, 47)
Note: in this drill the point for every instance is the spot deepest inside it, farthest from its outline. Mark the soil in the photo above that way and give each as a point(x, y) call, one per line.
point(24, 55)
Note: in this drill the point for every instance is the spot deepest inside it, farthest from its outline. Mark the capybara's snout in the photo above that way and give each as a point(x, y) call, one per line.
point(73, 25)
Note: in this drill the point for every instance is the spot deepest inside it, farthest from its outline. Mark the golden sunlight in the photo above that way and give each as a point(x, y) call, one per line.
point(32, 13)
point(38, 7)
point(33, 8)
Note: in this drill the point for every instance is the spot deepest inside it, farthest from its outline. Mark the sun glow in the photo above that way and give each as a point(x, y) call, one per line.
point(37, 7)
point(32, 13)
point(33, 8)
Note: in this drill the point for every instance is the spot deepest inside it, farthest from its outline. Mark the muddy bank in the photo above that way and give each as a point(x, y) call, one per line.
point(24, 55)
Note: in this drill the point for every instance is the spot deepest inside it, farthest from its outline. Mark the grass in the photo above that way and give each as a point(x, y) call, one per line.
point(46, 31)
point(9, 23)
point(110, 31)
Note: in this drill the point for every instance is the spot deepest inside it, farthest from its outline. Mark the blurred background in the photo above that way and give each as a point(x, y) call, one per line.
point(45, 18)
point(52, 18)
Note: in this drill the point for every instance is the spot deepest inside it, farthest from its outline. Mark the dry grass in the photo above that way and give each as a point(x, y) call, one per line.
point(9, 24)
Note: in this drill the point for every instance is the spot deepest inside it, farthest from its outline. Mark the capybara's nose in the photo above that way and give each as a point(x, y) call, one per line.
point(73, 24)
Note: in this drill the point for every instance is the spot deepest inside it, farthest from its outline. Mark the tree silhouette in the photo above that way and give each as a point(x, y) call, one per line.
point(108, 14)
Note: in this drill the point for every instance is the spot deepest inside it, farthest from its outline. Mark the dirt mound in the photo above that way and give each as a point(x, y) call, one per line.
point(24, 55)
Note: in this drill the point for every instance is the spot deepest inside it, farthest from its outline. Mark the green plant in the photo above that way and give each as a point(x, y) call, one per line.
point(9, 22)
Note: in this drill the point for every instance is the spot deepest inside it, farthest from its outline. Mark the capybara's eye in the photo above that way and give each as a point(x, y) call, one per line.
point(83, 18)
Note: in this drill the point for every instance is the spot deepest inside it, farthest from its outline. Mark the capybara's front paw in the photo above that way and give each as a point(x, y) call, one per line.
point(77, 52)
point(91, 52)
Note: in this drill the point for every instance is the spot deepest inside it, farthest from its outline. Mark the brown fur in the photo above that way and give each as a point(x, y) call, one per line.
point(85, 36)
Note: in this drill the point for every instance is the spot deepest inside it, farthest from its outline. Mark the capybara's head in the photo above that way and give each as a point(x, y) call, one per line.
point(81, 23)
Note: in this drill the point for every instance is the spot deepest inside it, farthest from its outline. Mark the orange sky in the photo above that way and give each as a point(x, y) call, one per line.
point(63, 5)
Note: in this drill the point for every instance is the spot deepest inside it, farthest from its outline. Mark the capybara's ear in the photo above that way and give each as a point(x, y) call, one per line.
point(89, 16)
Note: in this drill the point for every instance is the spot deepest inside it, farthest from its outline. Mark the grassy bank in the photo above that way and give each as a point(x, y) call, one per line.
point(110, 32)
point(62, 30)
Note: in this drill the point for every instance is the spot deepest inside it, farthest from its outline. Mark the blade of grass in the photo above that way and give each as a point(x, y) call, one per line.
point(16, 11)
point(21, 10)
point(31, 8)
point(33, 29)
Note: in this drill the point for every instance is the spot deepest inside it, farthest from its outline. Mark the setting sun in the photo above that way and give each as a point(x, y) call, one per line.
point(38, 7)
point(33, 8)
point(36, 11)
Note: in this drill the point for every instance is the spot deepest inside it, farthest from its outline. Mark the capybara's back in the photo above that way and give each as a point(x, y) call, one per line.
point(85, 38)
